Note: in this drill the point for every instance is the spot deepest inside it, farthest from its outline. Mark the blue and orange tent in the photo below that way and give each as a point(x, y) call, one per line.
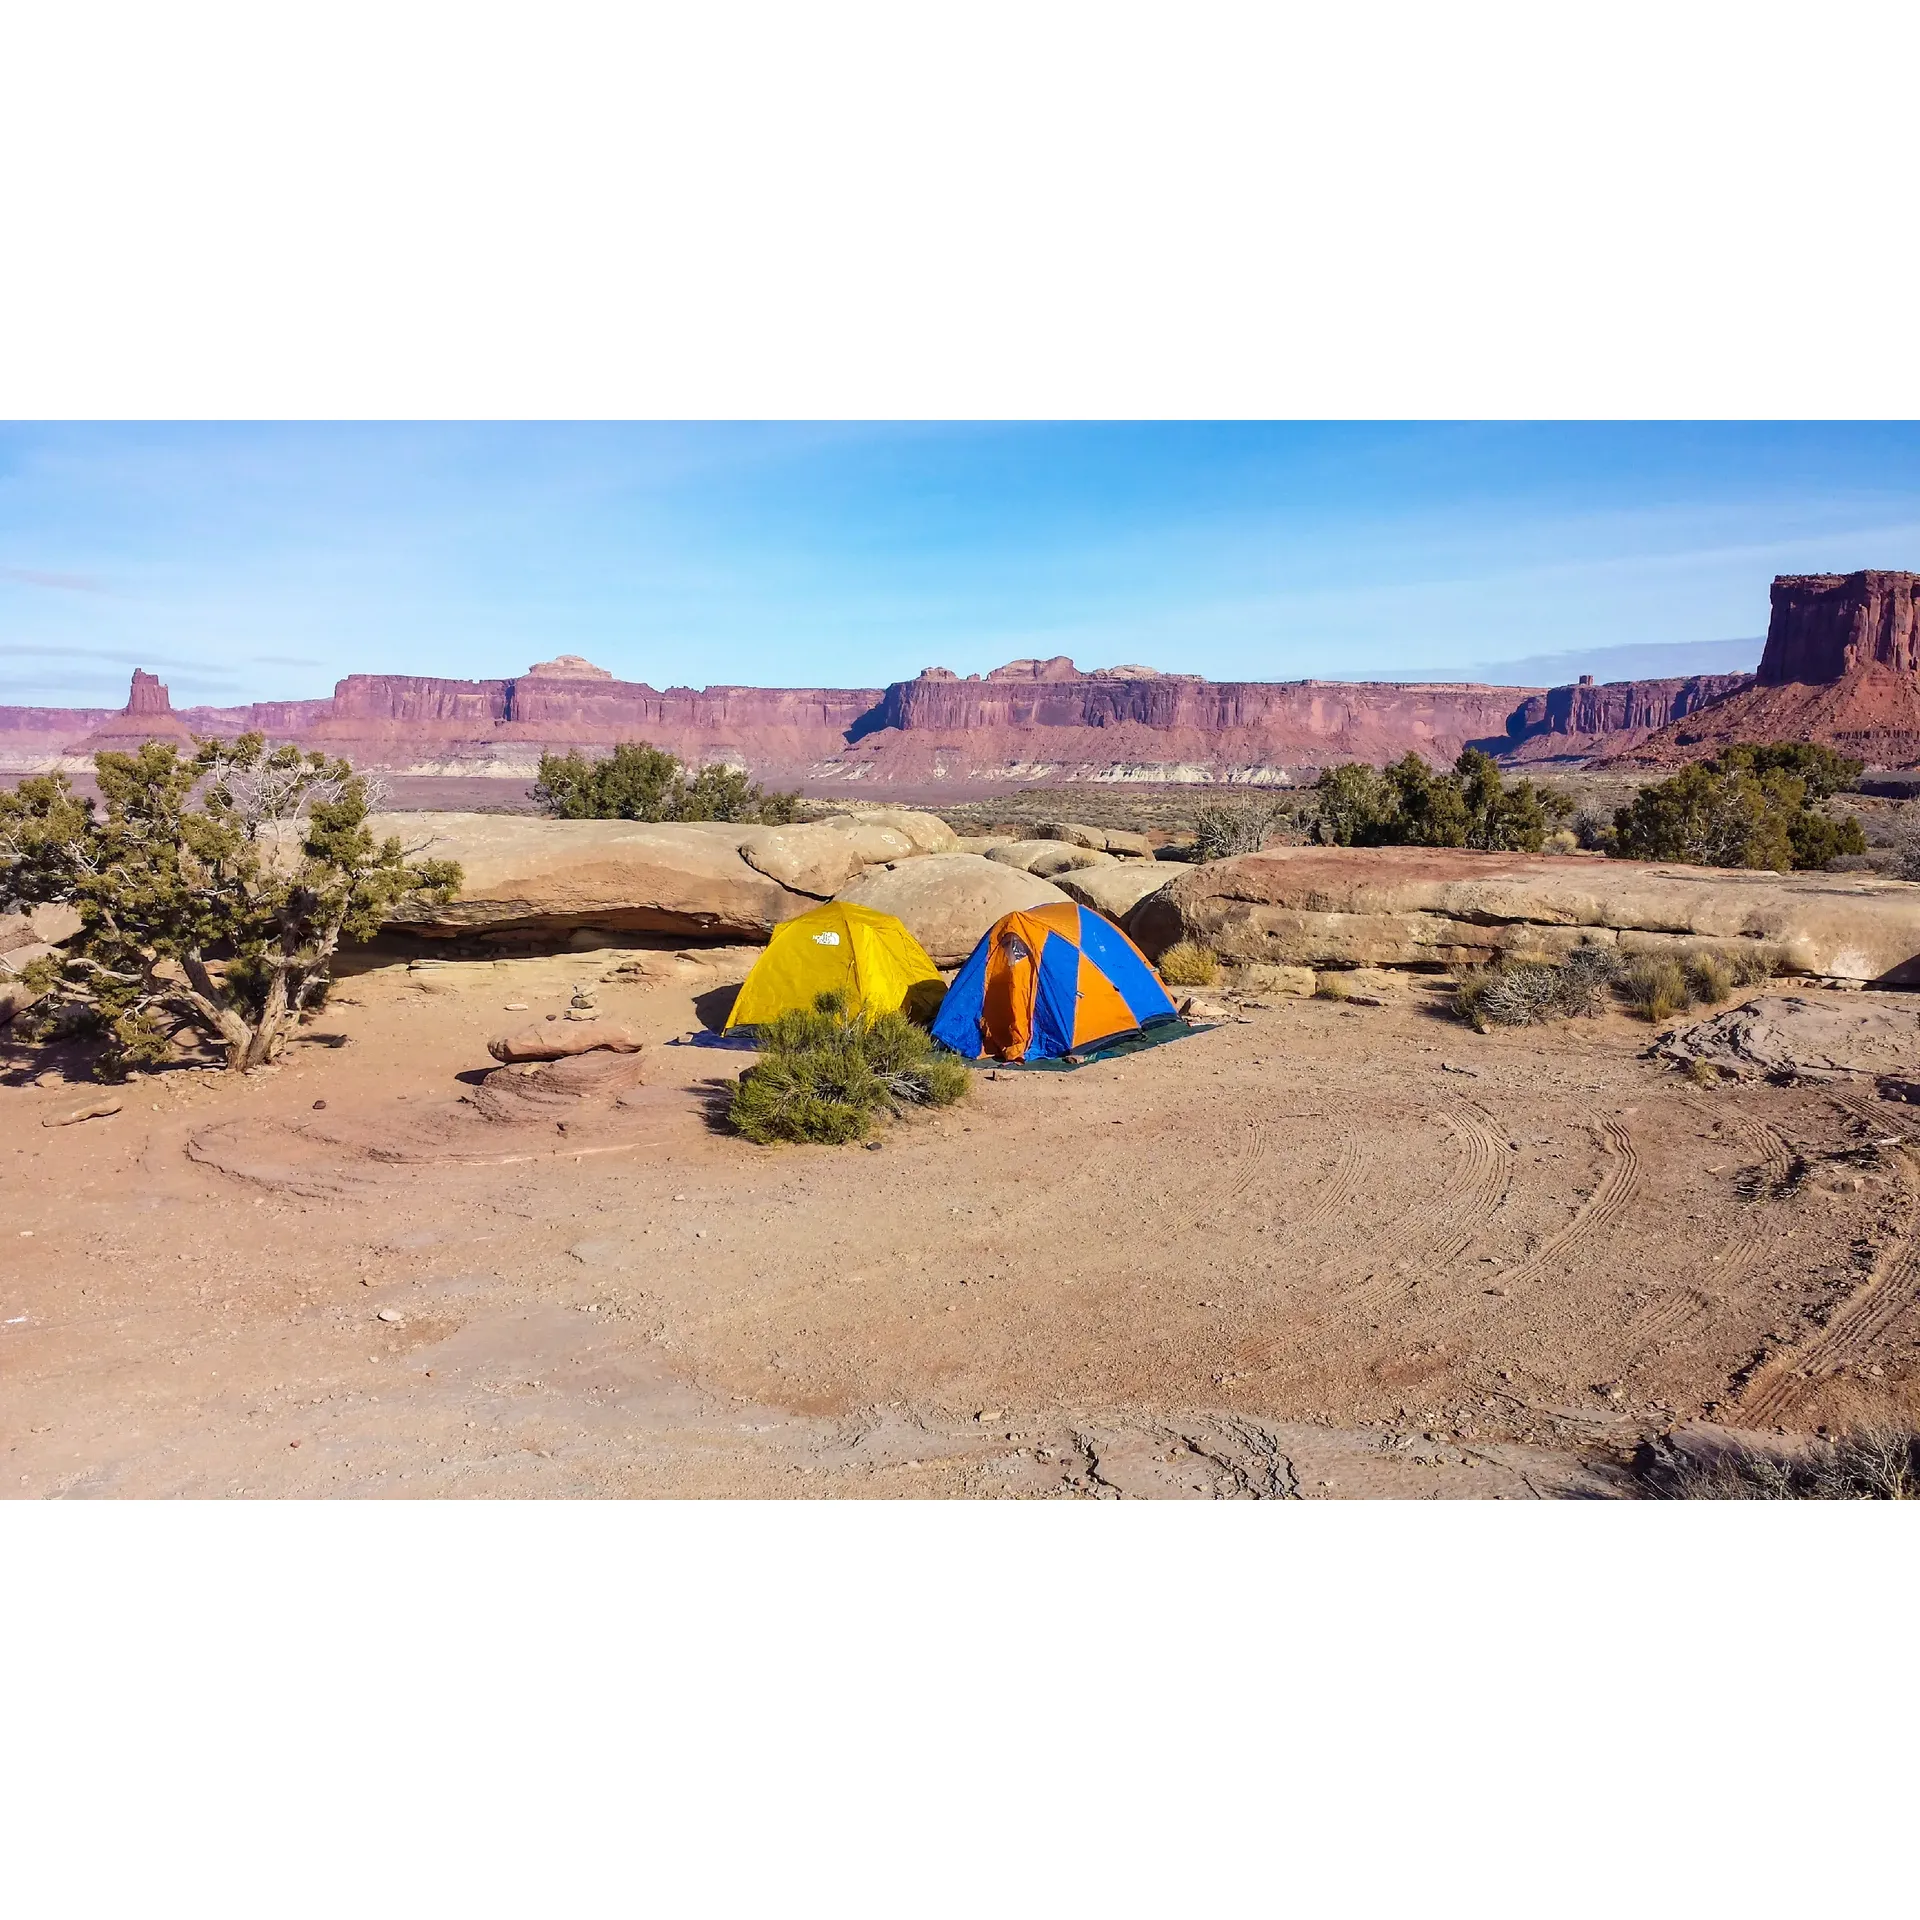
point(1049, 981)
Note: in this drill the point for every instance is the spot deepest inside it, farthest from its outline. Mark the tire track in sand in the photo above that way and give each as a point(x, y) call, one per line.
point(1665, 1317)
point(1601, 1207)
point(1851, 1329)
point(1256, 1142)
point(1329, 1198)
point(1662, 1318)
point(1776, 1169)
point(1432, 1238)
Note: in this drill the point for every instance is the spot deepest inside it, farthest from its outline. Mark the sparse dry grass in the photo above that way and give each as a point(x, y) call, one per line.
point(1655, 986)
point(1189, 964)
point(1878, 1463)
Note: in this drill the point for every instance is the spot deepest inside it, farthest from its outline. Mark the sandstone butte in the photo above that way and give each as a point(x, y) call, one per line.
point(1028, 723)
point(1841, 667)
point(1438, 907)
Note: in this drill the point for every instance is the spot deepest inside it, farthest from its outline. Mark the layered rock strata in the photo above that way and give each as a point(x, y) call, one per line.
point(1031, 722)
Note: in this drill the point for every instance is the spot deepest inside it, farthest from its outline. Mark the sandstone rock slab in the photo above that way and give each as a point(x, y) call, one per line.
point(927, 831)
point(15, 996)
point(625, 875)
point(1818, 1037)
point(948, 900)
point(1417, 906)
point(40, 927)
point(1259, 980)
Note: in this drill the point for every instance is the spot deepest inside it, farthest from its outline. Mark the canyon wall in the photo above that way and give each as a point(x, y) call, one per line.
point(1029, 722)
point(1584, 718)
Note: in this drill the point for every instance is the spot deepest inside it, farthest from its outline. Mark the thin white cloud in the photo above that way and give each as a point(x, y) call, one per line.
point(54, 582)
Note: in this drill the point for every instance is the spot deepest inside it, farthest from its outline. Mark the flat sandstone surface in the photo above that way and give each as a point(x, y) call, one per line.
point(1322, 1250)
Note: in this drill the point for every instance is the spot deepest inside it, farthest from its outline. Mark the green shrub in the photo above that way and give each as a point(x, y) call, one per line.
point(1750, 807)
point(1820, 770)
point(1188, 964)
point(824, 1073)
point(640, 782)
point(1408, 804)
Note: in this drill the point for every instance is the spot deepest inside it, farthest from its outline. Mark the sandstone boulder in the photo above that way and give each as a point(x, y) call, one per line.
point(1047, 857)
point(1131, 846)
point(948, 900)
point(927, 831)
point(1418, 906)
point(1819, 1037)
point(550, 1090)
point(822, 856)
point(621, 874)
point(1113, 890)
point(561, 1040)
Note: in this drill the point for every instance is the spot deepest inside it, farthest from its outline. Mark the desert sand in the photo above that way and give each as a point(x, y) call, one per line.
point(1322, 1249)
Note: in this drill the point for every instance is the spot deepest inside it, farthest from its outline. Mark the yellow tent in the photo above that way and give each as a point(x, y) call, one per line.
point(878, 963)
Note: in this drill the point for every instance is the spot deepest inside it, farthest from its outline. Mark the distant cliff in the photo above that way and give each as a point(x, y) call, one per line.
point(1031, 721)
point(1585, 717)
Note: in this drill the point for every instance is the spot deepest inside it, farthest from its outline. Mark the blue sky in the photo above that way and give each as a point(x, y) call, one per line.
point(263, 561)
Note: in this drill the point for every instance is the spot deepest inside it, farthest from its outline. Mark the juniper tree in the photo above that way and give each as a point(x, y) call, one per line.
point(213, 891)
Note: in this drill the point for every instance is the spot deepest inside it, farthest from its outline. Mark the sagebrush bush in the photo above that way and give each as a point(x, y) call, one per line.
point(1586, 974)
point(1219, 833)
point(1188, 964)
point(1879, 1463)
point(1521, 992)
point(824, 1073)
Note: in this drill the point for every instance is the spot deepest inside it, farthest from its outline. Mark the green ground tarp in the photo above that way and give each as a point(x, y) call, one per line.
point(1157, 1035)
